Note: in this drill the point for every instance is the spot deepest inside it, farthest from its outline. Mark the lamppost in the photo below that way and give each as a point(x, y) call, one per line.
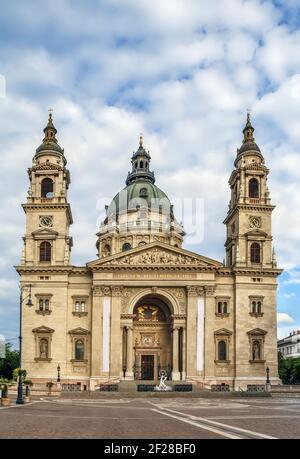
point(58, 373)
point(29, 303)
point(268, 376)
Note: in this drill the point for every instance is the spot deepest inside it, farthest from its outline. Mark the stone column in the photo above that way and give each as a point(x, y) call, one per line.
point(191, 331)
point(96, 338)
point(129, 356)
point(184, 350)
point(210, 328)
point(115, 338)
point(175, 369)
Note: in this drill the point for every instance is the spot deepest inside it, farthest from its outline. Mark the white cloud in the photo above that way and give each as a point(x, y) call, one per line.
point(282, 317)
point(183, 72)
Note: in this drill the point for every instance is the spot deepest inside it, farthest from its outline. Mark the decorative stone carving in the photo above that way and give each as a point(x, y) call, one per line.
point(46, 167)
point(127, 294)
point(179, 294)
point(193, 290)
point(209, 290)
point(158, 257)
point(116, 290)
point(254, 222)
point(46, 221)
point(102, 291)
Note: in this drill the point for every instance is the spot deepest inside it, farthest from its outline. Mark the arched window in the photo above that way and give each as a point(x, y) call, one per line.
point(46, 305)
point(126, 246)
point(255, 252)
point(47, 188)
point(79, 350)
point(221, 350)
point(259, 307)
point(41, 305)
point(142, 164)
point(220, 307)
point(45, 251)
point(143, 192)
point(253, 188)
point(77, 306)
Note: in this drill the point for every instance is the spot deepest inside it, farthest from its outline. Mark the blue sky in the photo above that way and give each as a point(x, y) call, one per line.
point(183, 72)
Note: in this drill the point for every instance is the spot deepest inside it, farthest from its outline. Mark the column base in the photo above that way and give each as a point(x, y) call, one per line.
point(183, 375)
point(129, 375)
point(175, 376)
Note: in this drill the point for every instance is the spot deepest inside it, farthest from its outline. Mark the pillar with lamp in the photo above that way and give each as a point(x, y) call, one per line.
point(20, 400)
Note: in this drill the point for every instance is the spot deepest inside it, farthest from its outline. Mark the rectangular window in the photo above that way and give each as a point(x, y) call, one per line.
point(79, 305)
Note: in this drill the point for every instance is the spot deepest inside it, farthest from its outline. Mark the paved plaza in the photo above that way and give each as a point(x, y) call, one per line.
point(153, 418)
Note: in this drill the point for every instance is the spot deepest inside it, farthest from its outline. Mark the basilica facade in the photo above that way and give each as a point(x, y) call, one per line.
point(146, 304)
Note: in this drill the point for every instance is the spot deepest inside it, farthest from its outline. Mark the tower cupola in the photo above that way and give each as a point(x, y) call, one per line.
point(140, 165)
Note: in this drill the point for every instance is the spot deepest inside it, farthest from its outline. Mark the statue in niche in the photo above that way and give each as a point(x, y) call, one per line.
point(44, 349)
point(256, 350)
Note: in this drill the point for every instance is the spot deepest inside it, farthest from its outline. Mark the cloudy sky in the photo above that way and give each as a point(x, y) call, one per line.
point(183, 72)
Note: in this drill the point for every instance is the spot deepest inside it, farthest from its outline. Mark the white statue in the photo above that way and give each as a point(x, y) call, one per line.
point(162, 386)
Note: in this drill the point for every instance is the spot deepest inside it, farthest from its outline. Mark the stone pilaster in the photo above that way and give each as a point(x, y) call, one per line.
point(96, 345)
point(115, 337)
point(175, 368)
point(129, 356)
point(209, 345)
point(191, 330)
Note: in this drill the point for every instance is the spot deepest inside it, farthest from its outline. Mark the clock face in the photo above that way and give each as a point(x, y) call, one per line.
point(254, 222)
point(46, 220)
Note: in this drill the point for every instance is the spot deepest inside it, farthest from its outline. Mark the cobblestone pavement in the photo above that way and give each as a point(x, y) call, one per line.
point(153, 419)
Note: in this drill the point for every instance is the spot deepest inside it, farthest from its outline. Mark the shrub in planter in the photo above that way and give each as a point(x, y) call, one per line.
point(49, 384)
point(4, 385)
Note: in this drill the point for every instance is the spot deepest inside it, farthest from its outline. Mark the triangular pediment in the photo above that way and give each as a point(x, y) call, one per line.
point(44, 232)
point(223, 332)
point(156, 254)
point(256, 232)
point(257, 331)
point(43, 329)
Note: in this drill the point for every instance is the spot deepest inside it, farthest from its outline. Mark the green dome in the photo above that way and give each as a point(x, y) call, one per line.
point(139, 193)
point(50, 146)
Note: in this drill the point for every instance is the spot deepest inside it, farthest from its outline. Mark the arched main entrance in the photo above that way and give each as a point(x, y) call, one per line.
point(152, 344)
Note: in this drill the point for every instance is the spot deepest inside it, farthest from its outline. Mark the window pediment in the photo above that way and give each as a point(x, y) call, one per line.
point(257, 332)
point(43, 233)
point(256, 233)
point(43, 329)
point(223, 332)
point(79, 331)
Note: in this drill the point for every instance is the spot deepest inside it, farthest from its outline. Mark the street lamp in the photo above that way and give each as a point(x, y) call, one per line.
point(58, 373)
point(29, 303)
point(268, 375)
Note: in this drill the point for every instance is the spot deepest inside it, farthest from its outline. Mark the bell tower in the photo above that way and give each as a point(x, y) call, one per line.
point(48, 213)
point(248, 222)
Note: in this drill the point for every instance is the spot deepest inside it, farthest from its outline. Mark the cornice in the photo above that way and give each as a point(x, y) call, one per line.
point(52, 269)
point(257, 272)
point(252, 207)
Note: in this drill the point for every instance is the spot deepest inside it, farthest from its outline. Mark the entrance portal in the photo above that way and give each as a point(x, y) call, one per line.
point(147, 367)
point(152, 326)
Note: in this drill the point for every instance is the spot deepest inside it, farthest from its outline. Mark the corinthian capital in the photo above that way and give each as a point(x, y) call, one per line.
point(116, 290)
point(102, 290)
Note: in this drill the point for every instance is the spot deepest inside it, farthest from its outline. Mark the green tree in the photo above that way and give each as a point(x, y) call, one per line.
point(296, 371)
point(11, 361)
